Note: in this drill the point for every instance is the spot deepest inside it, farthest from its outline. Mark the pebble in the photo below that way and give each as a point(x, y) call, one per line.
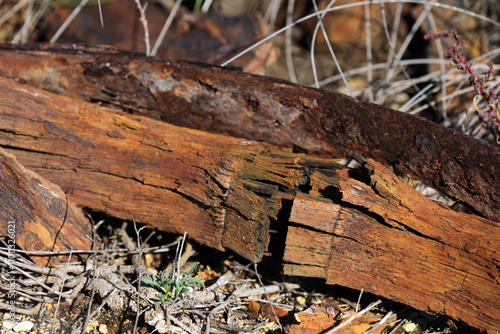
point(23, 326)
point(103, 329)
point(410, 327)
point(9, 324)
point(93, 325)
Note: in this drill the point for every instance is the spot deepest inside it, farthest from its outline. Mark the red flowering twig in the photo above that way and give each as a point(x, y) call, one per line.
point(456, 56)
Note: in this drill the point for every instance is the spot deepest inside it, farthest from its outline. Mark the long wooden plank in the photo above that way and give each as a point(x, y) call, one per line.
point(363, 229)
point(261, 108)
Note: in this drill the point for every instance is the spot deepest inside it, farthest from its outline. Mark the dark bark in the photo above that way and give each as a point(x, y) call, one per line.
point(261, 108)
point(222, 191)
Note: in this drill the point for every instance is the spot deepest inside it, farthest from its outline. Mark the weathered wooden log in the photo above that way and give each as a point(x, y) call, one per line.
point(224, 191)
point(36, 215)
point(379, 234)
point(261, 108)
point(221, 190)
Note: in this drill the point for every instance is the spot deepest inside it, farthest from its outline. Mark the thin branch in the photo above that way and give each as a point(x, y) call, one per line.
point(359, 300)
point(267, 295)
point(59, 298)
point(65, 295)
point(380, 323)
point(139, 272)
point(152, 250)
point(165, 27)
point(142, 12)
point(70, 19)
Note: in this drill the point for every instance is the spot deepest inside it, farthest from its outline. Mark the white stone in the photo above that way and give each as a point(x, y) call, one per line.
point(103, 329)
point(410, 327)
point(153, 316)
point(24, 326)
point(9, 324)
point(93, 325)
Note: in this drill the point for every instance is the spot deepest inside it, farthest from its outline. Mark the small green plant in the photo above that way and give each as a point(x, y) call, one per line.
point(172, 287)
point(409, 326)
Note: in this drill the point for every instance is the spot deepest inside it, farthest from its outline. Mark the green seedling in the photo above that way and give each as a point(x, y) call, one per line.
point(172, 287)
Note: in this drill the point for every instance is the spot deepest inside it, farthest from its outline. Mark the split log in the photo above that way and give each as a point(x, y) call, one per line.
point(225, 191)
point(262, 108)
point(37, 215)
point(381, 235)
point(221, 190)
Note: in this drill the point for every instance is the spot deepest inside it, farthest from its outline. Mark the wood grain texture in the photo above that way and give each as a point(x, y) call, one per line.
point(362, 228)
point(36, 215)
point(381, 235)
point(261, 108)
point(221, 190)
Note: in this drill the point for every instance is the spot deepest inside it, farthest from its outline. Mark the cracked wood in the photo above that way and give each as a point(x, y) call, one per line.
point(261, 108)
point(245, 183)
point(221, 190)
point(36, 214)
point(371, 230)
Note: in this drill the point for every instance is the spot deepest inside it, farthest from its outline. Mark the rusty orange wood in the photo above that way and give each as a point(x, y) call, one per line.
point(262, 108)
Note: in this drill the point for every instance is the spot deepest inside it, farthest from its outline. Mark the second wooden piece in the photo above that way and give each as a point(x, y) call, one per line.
point(381, 235)
point(36, 215)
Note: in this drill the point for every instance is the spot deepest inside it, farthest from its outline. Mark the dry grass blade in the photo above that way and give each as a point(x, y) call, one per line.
point(66, 23)
point(144, 22)
point(357, 314)
point(6, 16)
point(95, 276)
point(165, 27)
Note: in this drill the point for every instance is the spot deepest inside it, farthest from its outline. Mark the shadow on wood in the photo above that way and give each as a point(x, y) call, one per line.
point(359, 228)
point(37, 215)
point(379, 234)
